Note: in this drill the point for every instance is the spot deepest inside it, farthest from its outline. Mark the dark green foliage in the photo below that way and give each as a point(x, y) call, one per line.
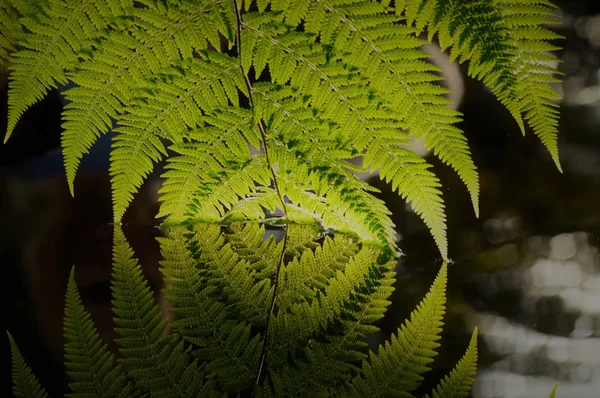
point(235, 330)
point(91, 366)
point(25, 384)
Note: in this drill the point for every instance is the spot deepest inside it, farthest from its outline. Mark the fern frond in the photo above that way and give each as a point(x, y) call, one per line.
point(58, 33)
point(150, 40)
point(507, 46)
point(25, 384)
point(398, 366)
point(303, 276)
point(155, 38)
point(236, 278)
point(91, 366)
point(341, 315)
point(201, 165)
point(132, 158)
point(409, 174)
point(534, 63)
point(329, 194)
point(365, 45)
point(223, 193)
point(158, 364)
point(222, 341)
point(458, 383)
point(172, 103)
point(10, 27)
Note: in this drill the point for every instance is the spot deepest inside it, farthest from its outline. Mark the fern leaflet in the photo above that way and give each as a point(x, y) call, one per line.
point(458, 382)
point(91, 366)
point(25, 384)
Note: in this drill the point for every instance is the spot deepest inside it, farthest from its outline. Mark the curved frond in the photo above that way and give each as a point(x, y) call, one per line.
point(236, 278)
point(507, 46)
point(57, 36)
point(91, 366)
point(409, 174)
point(173, 102)
point(206, 164)
point(158, 364)
point(373, 81)
point(331, 326)
point(458, 383)
point(25, 384)
point(398, 366)
point(150, 40)
point(221, 341)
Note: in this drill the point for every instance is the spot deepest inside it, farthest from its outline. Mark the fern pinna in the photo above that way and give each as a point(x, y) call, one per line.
point(231, 334)
point(261, 109)
point(241, 95)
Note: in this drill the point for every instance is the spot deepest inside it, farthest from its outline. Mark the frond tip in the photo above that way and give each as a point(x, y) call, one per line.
point(399, 365)
point(91, 366)
point(458, 383)
point(25, 384)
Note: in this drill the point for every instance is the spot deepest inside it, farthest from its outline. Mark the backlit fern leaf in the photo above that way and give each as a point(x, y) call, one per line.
point(158, 364)
point(398, 366)
point(409, 174)
point(151, 39)
point(458, 383)
point(91, 366)
point(363, 35)
point(10, 27)
point(57, 35)
point(204, 158)
point(302, 277)
point(234, 277)
point(25, 384)
point(506, 44)
point(170, 104)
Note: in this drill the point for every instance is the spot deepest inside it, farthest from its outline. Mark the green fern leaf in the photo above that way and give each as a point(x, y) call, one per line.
point(58, 34)
point(172, 103)
point(458, 383)
point(312, 271)
point(358, 35)
point(25, 384)
point(409, 174)
point(331, 325)
point(10, 27)
point(158, 364)
point(221, 342)
point(236, 278)
point(212, 152)
point(507, 47)
point(398, 366)
point(150, 40)
point(91, 366)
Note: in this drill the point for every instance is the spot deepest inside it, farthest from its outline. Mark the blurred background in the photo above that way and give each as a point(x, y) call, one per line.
point(527, 272)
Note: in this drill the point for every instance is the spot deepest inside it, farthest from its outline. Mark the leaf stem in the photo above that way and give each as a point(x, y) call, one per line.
point(261, 124)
